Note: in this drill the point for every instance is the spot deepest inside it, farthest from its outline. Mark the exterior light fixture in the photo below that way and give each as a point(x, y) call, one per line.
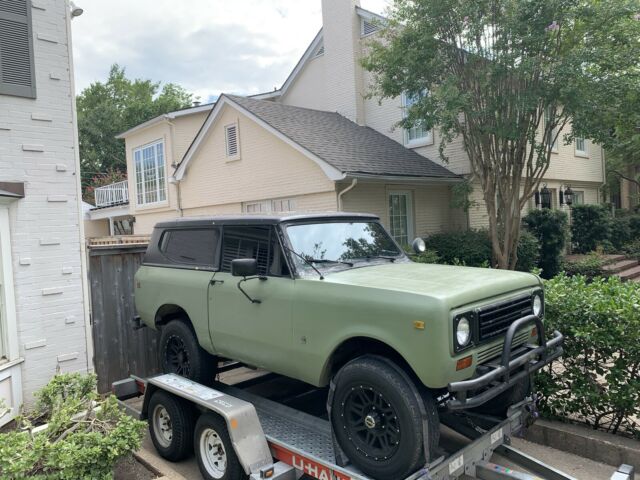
point(568, 195)
point(545, 197)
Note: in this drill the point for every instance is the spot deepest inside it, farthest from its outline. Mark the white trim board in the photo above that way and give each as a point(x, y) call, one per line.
point(6, 285)
point(329, 170)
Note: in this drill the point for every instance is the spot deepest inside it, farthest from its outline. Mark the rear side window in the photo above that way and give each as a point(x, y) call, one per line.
point(197, 247)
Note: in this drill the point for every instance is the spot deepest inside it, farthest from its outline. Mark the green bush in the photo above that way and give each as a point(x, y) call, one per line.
point(528, 252)
point(469, 247)
point(590, 266)
point(428, 256)
point(549, 227)
point(597, 380)
point(632, 249)
point(619, 232)
point(80, 441)
point(590, 227)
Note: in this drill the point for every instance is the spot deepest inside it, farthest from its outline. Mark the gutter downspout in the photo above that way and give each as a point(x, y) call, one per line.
point(354, 182)
point(173, 180)
point(86, 301)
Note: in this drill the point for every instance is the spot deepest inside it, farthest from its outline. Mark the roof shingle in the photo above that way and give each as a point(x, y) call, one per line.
point(347, 146)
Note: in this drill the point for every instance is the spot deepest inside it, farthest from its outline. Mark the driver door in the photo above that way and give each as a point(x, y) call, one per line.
point(259, 334)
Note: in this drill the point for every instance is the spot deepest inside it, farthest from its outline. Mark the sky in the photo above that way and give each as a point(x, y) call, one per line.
point(207, 46)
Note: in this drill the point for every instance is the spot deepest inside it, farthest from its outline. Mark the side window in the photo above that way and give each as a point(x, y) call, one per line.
point(192, 246)
point(260, 243)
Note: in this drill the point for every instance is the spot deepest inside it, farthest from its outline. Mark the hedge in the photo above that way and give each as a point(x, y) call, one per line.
point(593, 228)
point(597, 380)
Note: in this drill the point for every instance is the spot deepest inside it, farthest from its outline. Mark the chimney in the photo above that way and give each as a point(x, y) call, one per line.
point(341, 37)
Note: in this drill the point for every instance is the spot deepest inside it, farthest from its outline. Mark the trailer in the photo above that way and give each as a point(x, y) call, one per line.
point(238, 432)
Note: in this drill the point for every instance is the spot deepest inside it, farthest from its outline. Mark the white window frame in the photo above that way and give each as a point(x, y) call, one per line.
point(9, 327)
point(426, 139)
point(585, 151)
point(140, 181)
point(576, 194)
point(235, 156)
point(408, 194)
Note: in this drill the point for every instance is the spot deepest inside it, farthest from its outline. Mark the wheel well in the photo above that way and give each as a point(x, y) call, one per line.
point(359, 346)
point(169, 312)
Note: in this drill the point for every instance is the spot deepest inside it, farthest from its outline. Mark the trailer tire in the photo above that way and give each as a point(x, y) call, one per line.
point(171, 423)
point(377, 419)
point(180, 353)
point(217, 459)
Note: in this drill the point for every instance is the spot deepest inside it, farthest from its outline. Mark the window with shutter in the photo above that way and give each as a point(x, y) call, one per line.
point(17, 73)
point(231, 136)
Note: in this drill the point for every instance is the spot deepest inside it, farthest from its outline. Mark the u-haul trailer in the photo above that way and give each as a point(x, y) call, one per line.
point(240, 435)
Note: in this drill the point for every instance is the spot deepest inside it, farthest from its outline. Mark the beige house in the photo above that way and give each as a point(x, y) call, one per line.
point(316, 144)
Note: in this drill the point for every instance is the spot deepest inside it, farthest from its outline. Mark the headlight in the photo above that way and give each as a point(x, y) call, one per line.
point(538, 305)
point(463, 332)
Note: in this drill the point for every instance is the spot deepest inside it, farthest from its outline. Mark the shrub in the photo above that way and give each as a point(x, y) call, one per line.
point(469, 247)
point(528, 252)
point(619, 232)
point(590, 227)
point(597, 380)
point(80, 441)
point(549, 227)
point(428, 256)
point(590, 266)
point(632, 249)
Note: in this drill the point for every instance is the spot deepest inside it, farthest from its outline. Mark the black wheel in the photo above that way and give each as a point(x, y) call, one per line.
point(499, 405)
point(217, 460)
point(377, 419)
point(171, 423)
point(180, 353)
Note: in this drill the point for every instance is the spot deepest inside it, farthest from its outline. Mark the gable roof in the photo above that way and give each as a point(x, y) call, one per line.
point(339, 146)
point(167, 116)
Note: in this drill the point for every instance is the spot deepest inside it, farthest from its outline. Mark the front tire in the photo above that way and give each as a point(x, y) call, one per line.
point(217, 460)
point(377, 419)
point(180, 353)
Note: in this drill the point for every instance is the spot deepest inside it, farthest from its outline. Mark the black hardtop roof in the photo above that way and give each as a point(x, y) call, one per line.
point(262, 219)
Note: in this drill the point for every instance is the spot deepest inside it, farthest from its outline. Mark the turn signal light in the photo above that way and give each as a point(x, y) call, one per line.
point(464, 363)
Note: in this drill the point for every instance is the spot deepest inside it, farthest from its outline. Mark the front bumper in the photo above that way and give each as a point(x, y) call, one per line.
point(514, 365)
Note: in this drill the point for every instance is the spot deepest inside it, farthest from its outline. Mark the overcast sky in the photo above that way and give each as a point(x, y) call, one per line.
point(207, 46)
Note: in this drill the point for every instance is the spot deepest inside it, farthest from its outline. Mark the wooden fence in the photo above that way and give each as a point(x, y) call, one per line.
point(119, 351)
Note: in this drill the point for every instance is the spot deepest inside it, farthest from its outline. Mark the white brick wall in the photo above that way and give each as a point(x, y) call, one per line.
point(37, 147)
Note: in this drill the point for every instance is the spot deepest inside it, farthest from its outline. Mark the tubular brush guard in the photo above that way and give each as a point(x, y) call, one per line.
point(513, 367)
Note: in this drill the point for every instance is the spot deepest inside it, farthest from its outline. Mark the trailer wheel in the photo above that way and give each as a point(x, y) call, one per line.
point(377, 419)
point(171, 426)
point(181, 353)
point(217, 459)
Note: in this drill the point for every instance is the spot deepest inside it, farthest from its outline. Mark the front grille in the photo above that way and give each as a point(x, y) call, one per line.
point(489, 353)
point(494, 320)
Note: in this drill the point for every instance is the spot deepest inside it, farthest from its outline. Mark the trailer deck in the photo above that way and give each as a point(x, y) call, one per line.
point(282, 433)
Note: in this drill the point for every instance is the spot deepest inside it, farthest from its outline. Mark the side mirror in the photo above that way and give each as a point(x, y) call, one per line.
point(244, 267)
point(418, 245)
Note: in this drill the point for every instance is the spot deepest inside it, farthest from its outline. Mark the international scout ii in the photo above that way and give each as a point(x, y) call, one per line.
point(333, 299)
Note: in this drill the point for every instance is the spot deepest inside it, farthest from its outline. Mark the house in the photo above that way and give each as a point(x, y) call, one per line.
point(319, 143)
point(43, 291)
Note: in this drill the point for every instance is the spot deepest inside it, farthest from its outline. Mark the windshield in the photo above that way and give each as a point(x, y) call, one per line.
point(340, 242)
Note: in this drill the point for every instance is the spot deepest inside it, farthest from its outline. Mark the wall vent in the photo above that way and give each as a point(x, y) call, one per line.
point(231, 135)
point(368, 27)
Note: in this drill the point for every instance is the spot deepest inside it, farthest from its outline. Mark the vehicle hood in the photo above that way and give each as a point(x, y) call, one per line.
point(456, 286)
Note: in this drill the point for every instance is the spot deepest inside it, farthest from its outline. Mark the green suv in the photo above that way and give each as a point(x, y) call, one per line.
point(332, 299)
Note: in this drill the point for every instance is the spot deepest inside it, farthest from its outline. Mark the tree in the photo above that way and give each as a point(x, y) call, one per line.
point(507, 76)
point(107, 109)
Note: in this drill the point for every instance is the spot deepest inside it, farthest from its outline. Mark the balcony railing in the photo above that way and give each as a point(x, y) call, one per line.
point(114, 194)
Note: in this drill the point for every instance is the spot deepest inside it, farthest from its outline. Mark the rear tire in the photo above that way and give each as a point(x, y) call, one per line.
point(180, 353)
point(377, 419)
point(171, 426)
point(217, 460)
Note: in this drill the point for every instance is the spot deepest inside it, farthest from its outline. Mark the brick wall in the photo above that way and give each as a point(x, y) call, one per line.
point(37, 147)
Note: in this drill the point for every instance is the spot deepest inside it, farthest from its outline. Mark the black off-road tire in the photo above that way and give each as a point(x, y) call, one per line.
point(181, 353)
point(499, 405)
point(210, 430)
point(374, 405)
point(179, 418)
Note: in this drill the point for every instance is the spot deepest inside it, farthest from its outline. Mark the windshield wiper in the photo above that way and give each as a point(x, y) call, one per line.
point(384, 257)
point(324, 260)
point(305, 260)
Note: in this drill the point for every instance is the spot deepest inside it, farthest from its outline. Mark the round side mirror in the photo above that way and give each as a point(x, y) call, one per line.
point(418, 245)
